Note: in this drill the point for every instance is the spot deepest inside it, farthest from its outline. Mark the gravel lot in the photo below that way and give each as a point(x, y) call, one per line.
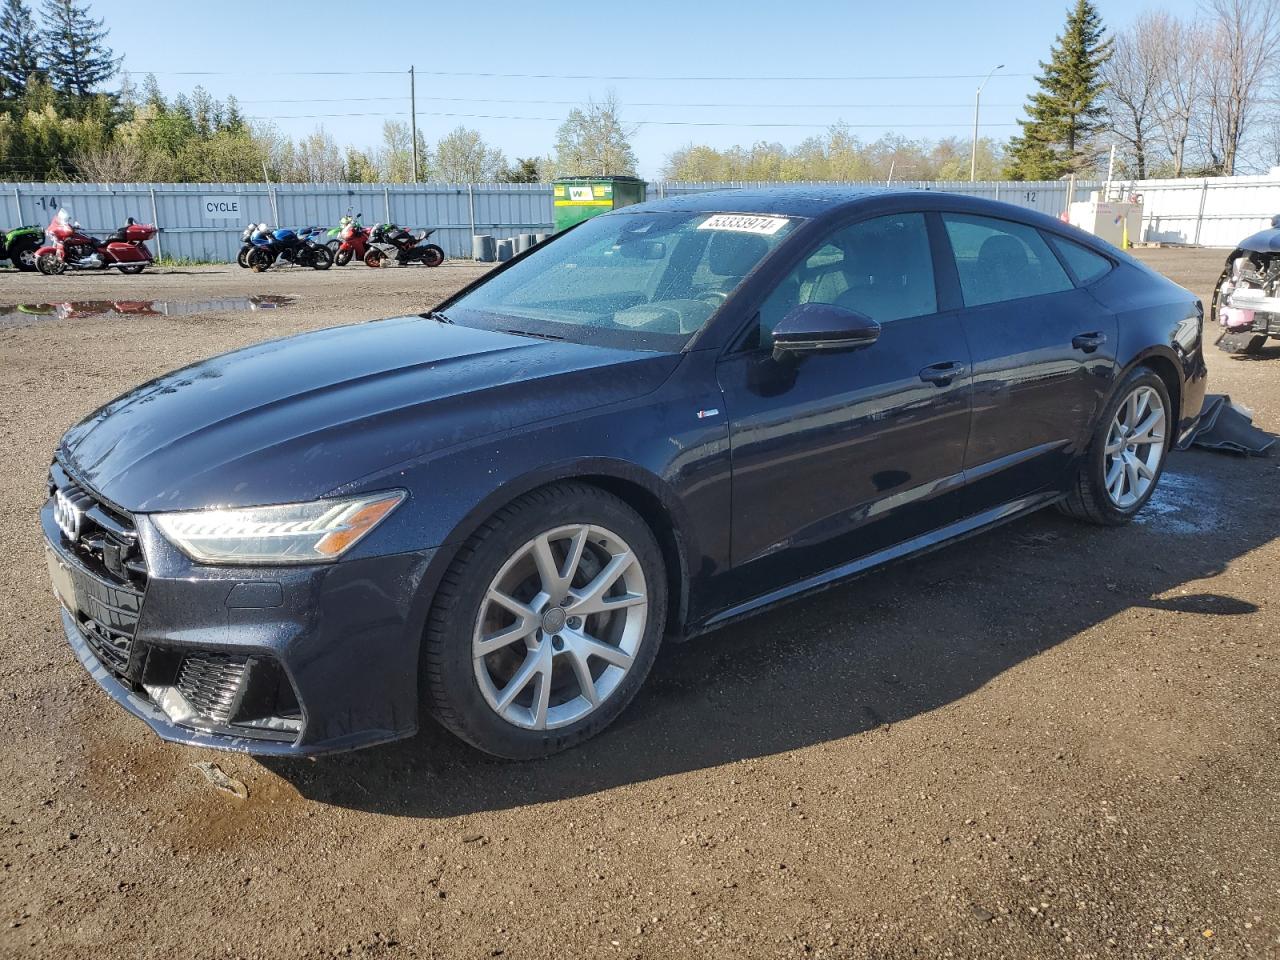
point(1051, 740)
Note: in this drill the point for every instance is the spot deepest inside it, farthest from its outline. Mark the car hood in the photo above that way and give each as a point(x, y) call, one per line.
point(293, 419)
point(1264, 241)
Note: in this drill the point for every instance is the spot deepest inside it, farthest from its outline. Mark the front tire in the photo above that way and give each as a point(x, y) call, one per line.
point(546, 624)
point(51, 265)
point(1127, 454)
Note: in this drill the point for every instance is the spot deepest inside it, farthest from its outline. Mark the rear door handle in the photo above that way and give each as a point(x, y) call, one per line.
point(1088, 342)
point(943, 374)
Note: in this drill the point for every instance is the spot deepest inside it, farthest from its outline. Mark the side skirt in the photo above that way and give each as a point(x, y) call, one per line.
point(942, 537)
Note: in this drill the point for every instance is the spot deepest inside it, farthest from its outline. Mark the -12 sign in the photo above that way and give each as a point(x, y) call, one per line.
point(221, 208)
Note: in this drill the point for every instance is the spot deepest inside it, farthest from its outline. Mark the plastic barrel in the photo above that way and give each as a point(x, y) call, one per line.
point(520, 243)
point(483, 248)
point(539, 238)
point(529, 240)
point(504, 251)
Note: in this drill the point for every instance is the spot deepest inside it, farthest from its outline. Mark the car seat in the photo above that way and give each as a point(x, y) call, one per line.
point(1002, 268)
point(730, 257)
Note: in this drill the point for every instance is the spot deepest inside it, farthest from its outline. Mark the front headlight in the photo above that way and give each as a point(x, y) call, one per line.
point(290, 533)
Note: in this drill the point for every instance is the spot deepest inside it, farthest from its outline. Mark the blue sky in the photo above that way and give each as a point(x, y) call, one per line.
point(235, 39)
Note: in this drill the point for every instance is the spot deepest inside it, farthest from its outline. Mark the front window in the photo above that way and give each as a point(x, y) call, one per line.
point(646, 280)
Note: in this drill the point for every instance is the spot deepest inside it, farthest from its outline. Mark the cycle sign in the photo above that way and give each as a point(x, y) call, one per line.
point(221, 208)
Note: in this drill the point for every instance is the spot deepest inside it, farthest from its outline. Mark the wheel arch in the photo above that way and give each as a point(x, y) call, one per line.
point(1166, 367)
point(650, 496)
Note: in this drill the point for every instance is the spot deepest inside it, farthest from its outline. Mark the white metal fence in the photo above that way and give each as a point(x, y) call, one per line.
point(203, 221)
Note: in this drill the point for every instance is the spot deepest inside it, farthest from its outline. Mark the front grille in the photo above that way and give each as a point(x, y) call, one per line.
point(107, 574)
point(211, 683)
point(108, 540)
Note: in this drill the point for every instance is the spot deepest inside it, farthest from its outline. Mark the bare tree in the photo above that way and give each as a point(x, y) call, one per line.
point(1183, 58)
point(1133, 76)
point(1246, 39)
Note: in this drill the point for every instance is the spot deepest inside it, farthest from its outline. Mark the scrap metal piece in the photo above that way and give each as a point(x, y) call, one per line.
point(213, 773)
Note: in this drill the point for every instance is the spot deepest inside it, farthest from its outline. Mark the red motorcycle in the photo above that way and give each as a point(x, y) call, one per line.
point(126, 249)
point(354, 242)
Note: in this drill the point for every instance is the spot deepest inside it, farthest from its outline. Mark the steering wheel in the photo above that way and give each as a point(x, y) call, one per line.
point(714, 297)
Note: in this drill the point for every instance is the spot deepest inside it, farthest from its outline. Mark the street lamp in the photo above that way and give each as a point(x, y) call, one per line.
point(977, 100)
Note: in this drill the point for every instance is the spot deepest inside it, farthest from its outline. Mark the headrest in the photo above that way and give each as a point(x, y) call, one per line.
point(1004, 250)
point(734, 254)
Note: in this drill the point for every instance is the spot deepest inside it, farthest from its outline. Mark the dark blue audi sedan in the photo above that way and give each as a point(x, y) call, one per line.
point(665, 419)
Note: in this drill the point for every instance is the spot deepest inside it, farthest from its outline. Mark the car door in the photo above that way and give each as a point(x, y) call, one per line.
point(836, 455)
point(1043, 356)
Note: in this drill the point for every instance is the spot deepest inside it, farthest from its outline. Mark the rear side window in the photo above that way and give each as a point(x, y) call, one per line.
point(1084, 263)
point(1000, 260)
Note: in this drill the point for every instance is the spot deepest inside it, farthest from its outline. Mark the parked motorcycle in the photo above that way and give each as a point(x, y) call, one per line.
point(353, 242)
point(255, 235)
point(288, 246)
point(126, 249)
point(20, 245)
point(406, 247)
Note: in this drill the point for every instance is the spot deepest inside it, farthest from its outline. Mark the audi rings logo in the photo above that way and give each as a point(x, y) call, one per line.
point(67, 516)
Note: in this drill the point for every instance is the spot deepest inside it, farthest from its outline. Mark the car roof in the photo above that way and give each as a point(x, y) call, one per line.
point(782, 201)
point(826, 203)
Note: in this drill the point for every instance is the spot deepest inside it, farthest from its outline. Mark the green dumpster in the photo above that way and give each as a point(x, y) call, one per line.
point(578, 198)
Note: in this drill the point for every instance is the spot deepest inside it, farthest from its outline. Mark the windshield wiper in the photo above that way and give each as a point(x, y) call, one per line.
point(437, 315)
point(530, 333)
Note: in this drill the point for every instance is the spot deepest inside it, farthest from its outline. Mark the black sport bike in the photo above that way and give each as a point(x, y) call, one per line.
point(406, 246)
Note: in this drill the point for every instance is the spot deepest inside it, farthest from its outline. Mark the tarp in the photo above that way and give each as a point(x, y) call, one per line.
point(1228, 427)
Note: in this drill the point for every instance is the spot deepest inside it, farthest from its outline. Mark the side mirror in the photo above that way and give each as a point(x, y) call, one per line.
point(814, 327)
point(1275, 221)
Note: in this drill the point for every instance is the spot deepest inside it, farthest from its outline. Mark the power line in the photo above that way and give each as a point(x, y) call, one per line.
point(573, 76)
point(642, 123)
point(574, 103)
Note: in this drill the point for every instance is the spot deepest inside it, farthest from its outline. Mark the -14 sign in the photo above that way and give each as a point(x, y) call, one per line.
point(221, 208)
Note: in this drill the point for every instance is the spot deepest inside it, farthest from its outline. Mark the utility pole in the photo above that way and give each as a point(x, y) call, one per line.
point(413, 121)
point(977, 100)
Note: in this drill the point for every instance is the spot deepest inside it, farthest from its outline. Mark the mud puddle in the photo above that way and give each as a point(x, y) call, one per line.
point(22, 314)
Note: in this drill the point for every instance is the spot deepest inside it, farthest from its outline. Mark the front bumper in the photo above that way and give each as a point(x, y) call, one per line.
point(336, 645)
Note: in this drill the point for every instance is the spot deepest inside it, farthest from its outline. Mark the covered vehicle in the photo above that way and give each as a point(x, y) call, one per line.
point(1246, 301)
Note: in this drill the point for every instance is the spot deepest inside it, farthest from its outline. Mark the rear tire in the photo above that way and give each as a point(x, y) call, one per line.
point(551, 677)
point(434, 255)
point(23, 254)
point(132, 268)
point(321, 258)
point(1124, 462)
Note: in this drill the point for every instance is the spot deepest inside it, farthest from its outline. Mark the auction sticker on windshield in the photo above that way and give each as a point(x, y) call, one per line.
point(743, 223)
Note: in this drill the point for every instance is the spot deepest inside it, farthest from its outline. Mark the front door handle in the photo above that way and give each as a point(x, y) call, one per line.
point(1088, 342)
point(943, 374)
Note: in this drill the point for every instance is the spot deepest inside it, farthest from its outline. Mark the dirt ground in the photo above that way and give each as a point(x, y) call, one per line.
point(1049, 741)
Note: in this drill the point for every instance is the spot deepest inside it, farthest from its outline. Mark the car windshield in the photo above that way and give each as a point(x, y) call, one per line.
point(645, 280)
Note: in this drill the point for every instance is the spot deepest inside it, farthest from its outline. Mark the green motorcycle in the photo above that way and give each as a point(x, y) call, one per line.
point(20, 244)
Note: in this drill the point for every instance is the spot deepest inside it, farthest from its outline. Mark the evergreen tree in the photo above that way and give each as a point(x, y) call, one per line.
point(1065, 115)
point(19, 48)
point(76, 57)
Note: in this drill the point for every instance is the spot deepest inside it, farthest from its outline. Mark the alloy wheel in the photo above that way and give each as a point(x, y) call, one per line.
point(1135, 447)
point(560, 626)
